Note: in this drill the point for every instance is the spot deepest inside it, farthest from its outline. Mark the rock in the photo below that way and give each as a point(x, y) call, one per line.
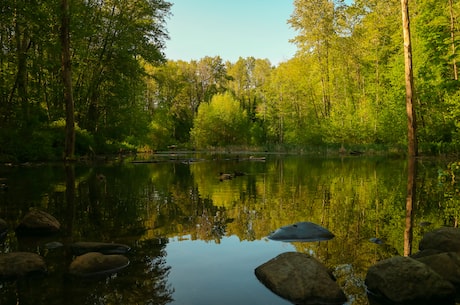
point(14, 265)
point(403, 280)
point(38, 222)
point(80, 248)
point(376, 240)
point(53, 245)
point(224, 176)
point(301, 231)
point(426, 252)
point(95, 264)
point(301, 279)
point(446, 264)
point(445, 239)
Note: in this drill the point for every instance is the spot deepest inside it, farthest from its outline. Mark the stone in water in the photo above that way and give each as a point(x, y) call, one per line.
point(301, 231)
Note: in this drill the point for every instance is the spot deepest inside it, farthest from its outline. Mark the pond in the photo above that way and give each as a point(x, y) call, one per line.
point(196, 238)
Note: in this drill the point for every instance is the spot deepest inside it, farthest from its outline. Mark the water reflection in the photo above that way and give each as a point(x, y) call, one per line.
point(410, 200)
point(197, 239)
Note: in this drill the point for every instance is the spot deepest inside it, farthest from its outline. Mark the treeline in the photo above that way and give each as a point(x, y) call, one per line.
point(345, 85)
point(109, 42)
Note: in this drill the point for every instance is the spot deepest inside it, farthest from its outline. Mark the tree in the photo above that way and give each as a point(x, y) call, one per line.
point(292, 107)
point(69, 148)
point(453, 38)
point(110, 39)
point(411, 119)
point(115, 39)
point(247, 82)
point(221, 122)
point(316, 22)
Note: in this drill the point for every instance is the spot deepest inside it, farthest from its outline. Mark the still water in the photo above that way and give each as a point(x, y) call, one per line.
point(196, 240)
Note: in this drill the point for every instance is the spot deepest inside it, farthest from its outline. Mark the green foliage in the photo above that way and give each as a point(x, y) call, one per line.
point(221, 122)
point(345, 85)
point(108, 41)
point(161, 129)
point(449, 183)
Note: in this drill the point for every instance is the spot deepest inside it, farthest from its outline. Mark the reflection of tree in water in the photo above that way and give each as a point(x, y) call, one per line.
point(211, 225)
point(144, 281)
point(188, 213)
point(149, 274)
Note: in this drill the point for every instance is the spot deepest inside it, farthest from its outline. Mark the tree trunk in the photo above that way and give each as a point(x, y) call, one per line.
point(23, 44)
point(411, 119)
point(69, 148)
point(452, 37)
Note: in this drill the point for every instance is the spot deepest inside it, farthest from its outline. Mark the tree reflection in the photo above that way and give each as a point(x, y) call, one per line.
point(144, 205)
point(410, 199)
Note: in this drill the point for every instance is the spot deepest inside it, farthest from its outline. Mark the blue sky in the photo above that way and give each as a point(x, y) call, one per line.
point(230, 29)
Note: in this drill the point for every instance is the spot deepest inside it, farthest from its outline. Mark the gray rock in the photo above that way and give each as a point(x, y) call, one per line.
point(38, 222)
point(446, 264)
point(96, 264)
point(443, 239)
point(14, 265)
point(83, 247)
point(301, 231)
point(53, 245)
point(301, 279)
point(376, 240)
point(403, 280)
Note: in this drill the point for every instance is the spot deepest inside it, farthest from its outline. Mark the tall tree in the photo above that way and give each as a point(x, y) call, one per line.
point(69, 148)
point(452, 37)
point(409, 78)
point(316, 22)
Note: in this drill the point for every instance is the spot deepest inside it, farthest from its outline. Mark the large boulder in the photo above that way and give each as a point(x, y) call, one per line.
point(83, 247)
point(302, 231)
point(301, 279)
point(446, 264)
point(96, 264)
point(14, 265)
point(403, 280)
point(38, 222)
point(445, 239)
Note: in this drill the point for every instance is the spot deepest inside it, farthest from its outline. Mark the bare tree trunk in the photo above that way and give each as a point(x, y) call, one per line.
point(452, 37)
point(411, 128)
point(69, 148)
point(411, 119)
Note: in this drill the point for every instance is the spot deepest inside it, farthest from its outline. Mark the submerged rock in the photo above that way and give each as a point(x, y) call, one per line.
point(14, 265)
point(301, 231)
point(53, 245)
point(96, 264)
point(38, 222)
point(83, 247)
point(403, 280)
point(301, 279)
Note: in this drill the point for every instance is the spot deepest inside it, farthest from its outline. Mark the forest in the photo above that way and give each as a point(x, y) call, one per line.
point(344, 87)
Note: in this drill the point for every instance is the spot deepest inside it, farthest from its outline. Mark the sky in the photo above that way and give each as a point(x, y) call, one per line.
point(230, 29)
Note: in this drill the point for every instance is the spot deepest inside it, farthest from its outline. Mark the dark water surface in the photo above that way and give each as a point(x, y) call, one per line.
point(197, 240)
